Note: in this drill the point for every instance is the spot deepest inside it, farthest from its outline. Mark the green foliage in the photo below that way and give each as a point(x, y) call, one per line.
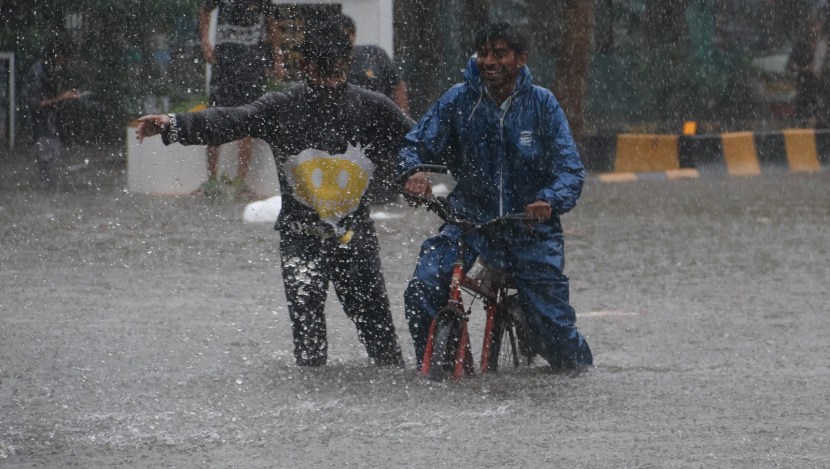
point(664, 88)
point(123, 52)
point(666, 63)
point(658, 62)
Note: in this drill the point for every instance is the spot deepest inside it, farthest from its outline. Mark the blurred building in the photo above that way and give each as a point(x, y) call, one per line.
point(654, 64)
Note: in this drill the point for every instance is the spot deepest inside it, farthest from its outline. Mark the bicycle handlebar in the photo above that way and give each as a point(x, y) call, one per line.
point(468, 225)
point(441, 206)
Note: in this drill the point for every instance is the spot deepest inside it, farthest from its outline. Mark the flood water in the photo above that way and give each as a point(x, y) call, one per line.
point(148, 331)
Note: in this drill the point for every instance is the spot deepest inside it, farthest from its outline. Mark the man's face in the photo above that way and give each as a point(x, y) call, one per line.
point(331, 77)
point(499, 65)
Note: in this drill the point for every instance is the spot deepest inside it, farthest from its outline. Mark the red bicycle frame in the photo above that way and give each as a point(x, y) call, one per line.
point(464, 357)
point(490, 292)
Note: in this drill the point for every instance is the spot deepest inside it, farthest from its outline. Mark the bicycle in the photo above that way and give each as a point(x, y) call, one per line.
point(448, 350)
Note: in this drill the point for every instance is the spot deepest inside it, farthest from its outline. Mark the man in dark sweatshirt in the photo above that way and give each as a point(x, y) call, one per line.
point(331, 141)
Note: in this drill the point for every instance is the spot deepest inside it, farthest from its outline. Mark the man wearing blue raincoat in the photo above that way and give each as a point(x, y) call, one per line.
point(508, 145)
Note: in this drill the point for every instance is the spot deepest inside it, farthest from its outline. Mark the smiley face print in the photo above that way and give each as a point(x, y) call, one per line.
point(332, 185)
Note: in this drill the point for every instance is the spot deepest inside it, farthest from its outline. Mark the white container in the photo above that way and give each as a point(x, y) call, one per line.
point(153, 168)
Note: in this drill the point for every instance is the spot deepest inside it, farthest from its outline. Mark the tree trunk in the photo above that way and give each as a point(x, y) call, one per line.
point(418, 46)
point(573, 57)
point(416, 23)
point(421, 44)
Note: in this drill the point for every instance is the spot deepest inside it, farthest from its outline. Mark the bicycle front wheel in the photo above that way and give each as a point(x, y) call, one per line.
point(445, 345)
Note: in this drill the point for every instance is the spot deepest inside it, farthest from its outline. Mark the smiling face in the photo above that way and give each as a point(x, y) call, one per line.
point(499, 66)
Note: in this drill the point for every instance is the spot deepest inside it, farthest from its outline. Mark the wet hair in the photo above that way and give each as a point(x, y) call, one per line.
point(326, 44)
point(515, 39)
point(345, 22)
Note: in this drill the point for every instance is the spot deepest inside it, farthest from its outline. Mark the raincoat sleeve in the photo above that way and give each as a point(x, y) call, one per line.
point(568, 173)
point(426, 142)
point(219, 125)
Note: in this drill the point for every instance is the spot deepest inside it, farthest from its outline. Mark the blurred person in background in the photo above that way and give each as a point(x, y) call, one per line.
point(808, 61)
point(372, 68)
point(247, 44)
point(45, 92)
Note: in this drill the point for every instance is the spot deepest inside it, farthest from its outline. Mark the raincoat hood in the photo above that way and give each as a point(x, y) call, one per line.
point(472, 77)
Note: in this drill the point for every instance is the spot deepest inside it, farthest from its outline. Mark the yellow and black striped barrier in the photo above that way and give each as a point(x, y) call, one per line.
point(631, 157)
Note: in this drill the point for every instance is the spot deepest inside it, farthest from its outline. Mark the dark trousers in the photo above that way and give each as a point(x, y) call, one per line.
point(309, 263)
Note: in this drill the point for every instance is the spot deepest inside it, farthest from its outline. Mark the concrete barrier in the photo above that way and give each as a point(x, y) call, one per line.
point(646, 153)
point(153, 168)
point(647, 156)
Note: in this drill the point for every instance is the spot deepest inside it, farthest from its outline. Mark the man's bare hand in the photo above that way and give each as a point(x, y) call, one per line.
point(151, 125)
point(540, 210)
point(418, 184)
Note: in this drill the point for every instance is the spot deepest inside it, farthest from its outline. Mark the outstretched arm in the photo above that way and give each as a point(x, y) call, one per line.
point(216, 125)
point(69, 95)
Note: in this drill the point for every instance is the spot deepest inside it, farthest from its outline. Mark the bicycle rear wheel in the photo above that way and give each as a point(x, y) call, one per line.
point(511, 343)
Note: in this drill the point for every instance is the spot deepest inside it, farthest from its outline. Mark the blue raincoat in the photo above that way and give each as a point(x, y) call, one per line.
point(502, 158)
